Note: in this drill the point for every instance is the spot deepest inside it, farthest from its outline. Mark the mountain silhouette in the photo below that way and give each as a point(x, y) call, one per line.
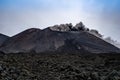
point(3, 38)
point(58, 38)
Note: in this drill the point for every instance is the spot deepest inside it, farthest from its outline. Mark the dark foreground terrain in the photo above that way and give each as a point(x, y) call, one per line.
point(32, 66)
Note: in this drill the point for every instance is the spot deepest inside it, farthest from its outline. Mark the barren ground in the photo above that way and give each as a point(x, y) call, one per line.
point(62, 66)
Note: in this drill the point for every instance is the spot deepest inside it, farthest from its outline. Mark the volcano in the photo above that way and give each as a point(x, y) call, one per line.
point(58, 38)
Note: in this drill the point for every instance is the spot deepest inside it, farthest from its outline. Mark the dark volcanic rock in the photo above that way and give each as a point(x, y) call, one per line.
point(3, 38)
point(48, 40)
point(31, 66)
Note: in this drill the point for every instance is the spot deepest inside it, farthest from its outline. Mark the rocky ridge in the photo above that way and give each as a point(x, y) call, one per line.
point(59, 38)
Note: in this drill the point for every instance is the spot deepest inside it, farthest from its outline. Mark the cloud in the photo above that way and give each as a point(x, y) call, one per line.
point(105, 16)
point(17, 22)
point(18, 15)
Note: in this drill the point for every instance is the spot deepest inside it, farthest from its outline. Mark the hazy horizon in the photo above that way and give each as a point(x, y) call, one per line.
point(18, 15)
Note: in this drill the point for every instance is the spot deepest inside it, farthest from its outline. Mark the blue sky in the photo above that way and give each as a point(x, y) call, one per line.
point(18, 15)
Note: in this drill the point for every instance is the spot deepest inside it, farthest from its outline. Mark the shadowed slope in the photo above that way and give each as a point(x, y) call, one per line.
point(3, 38)
point(48, 40)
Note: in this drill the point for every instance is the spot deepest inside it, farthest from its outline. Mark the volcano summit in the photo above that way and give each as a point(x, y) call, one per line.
point(58, 38)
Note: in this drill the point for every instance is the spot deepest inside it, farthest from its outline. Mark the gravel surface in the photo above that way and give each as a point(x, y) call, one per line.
point(32, 66)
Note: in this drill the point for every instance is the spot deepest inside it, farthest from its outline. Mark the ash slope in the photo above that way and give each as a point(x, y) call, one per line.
point(63, 38)
point(3, 38)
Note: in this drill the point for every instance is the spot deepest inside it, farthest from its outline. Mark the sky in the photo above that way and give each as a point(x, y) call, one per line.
point(18, 15)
